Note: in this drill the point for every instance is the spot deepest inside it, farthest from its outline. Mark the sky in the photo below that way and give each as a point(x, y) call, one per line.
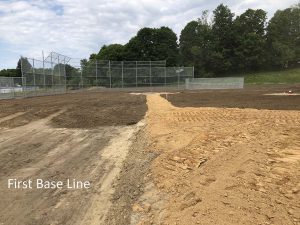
point(78, 28)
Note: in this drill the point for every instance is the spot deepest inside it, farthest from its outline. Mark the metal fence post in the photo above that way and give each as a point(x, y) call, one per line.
point(44, 71)
point(52, 73)
point(13, 86)
point(109, 72)
point(150, 74)
point(58, 62)
point(122, 74)
point(65, 76)
point(193, 72)
point(96, 73)
point(165, 76)
point(81, 79)
point(23, 83)
point(178, 77)
point(136, 74)
point(33, 73)
point(99, 75)
point(59, 74)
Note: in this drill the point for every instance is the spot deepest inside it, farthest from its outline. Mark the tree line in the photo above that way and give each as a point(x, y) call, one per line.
point(225, 44)
point(12, 72)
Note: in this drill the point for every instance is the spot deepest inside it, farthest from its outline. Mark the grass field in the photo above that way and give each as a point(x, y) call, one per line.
point(291, 76)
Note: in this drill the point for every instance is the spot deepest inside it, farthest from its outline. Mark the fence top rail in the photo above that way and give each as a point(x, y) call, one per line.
point(133, 61)
point(125, 62)
point(41, 61)
point(140, 67)
point(216, 78)
point(55, 60)
point(6, 78)
point(53, 56)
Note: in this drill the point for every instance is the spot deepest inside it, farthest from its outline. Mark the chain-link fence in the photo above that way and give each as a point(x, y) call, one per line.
point(57, 74)
point(215, 83)
point(127, 74)
point(43, 77)
point(12, 87)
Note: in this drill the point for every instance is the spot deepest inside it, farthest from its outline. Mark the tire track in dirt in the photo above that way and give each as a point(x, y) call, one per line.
point(39, 151)
point(223, 166)
point(115, 154)
point(12, 116)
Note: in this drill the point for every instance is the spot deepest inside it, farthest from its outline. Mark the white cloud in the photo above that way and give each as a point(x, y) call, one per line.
point(80, 27)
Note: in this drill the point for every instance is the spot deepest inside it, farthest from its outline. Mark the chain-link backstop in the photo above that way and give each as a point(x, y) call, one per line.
point(43, 77)
point(57, 74)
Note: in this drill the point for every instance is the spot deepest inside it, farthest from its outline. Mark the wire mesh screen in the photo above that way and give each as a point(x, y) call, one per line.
point(11, 87)
point(42, 77)
point(122, 74)
point(58, 74)
point(215, 83)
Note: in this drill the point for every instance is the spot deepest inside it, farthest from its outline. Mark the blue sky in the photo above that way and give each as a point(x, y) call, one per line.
point(78, 28)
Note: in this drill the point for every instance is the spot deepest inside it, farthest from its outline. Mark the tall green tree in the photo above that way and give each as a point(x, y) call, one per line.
point(166, 47)
point(223, 39)
point(283, 37)
point(250, 40)
point(189, 40)
point(13, 72)
point(196, 45)
point(153, 44)
point(141, 46)
point(110, 52)
point(8, 73)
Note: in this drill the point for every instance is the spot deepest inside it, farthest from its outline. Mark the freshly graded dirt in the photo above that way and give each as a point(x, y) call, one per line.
point(84, 136)
point(80, 110)
point(221, 165)
point(206, 157)
point(131, 181)
point(254, 97)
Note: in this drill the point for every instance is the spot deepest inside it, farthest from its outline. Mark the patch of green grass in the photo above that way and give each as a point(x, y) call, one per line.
point(291, 76)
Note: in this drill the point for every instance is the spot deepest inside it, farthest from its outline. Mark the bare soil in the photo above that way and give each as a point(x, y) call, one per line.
point(81, 110)
point(206, 157)
point(254, 97)
point(221, 165)
point(84, 136)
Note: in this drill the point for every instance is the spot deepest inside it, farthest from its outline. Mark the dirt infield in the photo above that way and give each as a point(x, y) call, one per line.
point(84, 136)
point(220, 165)
point(80, 110)
point(208, 157)
point(250, 97)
